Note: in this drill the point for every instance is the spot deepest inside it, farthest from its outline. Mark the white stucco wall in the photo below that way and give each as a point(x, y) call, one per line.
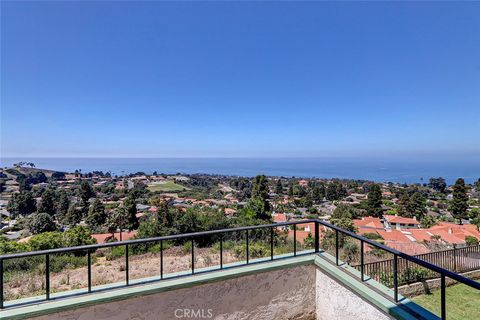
point(300, 292)
point(334, 301)
point(283, 294)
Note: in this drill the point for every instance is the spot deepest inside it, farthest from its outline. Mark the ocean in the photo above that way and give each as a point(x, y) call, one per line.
point(405, 171)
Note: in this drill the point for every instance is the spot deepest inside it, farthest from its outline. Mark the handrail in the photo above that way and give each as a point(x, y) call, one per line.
point(90, 248)
point(147, 240)
point(405, 256)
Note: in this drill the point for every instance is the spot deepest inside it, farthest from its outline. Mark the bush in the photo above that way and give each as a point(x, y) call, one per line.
point(46, 240)
point(256, 250)
point(41, 222)
point(471, 241)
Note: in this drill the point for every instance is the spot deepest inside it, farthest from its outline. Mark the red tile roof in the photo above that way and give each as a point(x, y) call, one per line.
point(368, 222)
point(101, 237)
point(398, 219)
point(393, 236)
point(280, 217)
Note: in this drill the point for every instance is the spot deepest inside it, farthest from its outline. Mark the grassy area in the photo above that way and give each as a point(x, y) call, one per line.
point(167, 186)
point(463, 302)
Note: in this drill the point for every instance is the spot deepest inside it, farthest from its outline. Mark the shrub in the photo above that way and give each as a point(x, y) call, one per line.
point(471, 241)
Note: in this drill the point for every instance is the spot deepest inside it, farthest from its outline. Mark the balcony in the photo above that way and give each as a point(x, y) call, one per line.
point(311, 281)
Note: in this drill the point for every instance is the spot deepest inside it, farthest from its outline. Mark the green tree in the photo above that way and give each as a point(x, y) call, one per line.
point(279, 187)
point(47, 203)
point(471, 241)
point(259, 201)
point(86, 192)
point(46, 241)
point(318, 192)
point(459, 205)
point(374, 201)
point(474, 215)
point(78, 236)
point(96, 215)
point(428, 222)
point(335, 191)
point(438, 184)
point(130, 213)
point(412, 205)
point(58, 175)
point(22, 204)
point(41, 222)
point(62, 205)
point(73, 216)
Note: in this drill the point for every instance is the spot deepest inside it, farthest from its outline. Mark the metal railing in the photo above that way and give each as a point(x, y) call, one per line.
point(458, 260)
point(222, 232)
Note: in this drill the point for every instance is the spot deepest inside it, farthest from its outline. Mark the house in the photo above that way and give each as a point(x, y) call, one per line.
point(105, 237)
point(397, 222)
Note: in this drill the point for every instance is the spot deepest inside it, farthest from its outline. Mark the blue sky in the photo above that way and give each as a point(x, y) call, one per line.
point(244, 79)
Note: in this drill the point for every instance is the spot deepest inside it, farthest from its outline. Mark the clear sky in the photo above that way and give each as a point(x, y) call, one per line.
point(247, 79)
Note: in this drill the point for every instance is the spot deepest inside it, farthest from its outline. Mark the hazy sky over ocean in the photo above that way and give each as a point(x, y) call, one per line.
point(155, 79)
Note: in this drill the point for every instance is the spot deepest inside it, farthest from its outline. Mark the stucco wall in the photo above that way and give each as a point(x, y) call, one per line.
point(296, 292)
point(333, 301)
point(283, 294)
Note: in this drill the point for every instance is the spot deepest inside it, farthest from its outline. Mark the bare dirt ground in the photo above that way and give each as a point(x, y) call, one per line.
point(112, 271)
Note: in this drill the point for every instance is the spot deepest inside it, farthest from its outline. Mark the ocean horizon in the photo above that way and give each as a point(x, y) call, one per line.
point(404, 171)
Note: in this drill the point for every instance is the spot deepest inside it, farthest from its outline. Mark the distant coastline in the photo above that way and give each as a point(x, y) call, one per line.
point(344, 168)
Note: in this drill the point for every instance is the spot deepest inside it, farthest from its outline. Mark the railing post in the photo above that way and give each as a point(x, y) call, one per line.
point(1, 283)
point(294, 239)
point(127, 280)
point(443, 298)
point(89, 271)
point(317, 238)
point(161, 259)
point(271, 243)
point(455, 257)
point(247, 251)
point(362, 264)
point(336, 246)
point(193, 256)
point(395, 278)
point(221, 251)
point(47, 276)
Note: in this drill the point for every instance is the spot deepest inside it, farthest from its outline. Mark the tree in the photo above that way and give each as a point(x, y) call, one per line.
point(86, 192)
point(412, 205)
point(438, 184)
point(22, 204)
point(471, 241)
point(96, 215)
point(374, 201)
point(46, 240)
point(2, 185)
point(318, 192)
point(335, 191)
point(78, 236)
point(47, 204)
point(459, 205)
point(259, 200)
point(58, 175)
point(279, 187)
point(73, 216)
point(428, 221)
point(130, 213)
point(41, 222)
point(62, 205)
point(165, 215)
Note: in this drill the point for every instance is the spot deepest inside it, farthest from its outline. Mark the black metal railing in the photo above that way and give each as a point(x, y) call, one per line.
point(458, 260)
point(222, 232)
